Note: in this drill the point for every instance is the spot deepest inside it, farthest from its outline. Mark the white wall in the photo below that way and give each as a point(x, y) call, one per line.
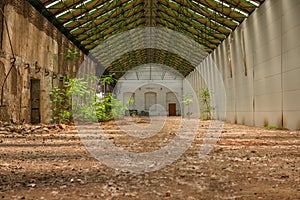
point(139, 88)
point(267, 45)
point(138, 82)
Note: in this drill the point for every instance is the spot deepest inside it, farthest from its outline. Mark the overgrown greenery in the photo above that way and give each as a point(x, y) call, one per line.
point(77, 100)
point(61, 100)
point(205, 101)
point(72, 55)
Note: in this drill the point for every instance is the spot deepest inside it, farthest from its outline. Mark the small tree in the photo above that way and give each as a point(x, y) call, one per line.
point(109, 79)
point(188, 100)
point(61, 99)
point(59, 106)
point(205, 101)
point(108, 107)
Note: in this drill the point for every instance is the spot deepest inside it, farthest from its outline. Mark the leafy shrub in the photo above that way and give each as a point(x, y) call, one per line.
point(188, 100)
point(76, 99)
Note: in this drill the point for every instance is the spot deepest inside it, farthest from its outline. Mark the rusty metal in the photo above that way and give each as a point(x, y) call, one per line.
point(27, 65)
point(47, 72)
point(37, 68)
point(54, 76)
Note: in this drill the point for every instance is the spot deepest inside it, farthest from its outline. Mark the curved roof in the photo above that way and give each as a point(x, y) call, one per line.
point(87, 23)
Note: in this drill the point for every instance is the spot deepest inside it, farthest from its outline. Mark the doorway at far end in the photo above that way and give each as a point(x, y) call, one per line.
point(172, 109)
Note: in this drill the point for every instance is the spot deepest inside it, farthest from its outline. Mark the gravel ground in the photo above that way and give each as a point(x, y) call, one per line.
point(51, 162)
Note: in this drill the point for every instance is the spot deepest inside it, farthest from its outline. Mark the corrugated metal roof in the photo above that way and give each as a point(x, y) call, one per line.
point(89, 22)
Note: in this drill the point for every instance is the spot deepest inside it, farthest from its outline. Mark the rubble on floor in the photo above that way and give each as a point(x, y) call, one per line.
point(50, 162)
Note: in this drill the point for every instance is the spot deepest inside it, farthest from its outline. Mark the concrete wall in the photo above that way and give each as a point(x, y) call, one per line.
point(154, 79)
point(260, 67)
point(36, 44)
point(161, 88)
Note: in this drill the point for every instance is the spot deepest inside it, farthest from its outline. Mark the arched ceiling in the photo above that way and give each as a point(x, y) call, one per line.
point(87, 23)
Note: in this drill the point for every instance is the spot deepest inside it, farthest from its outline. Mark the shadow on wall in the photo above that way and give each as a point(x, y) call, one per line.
point(4, 113)
point(266, 122)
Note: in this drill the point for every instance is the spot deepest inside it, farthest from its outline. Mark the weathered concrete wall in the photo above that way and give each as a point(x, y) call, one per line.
point(260, 67)
point(40, 51)
point(139, 88)
point(138, 85)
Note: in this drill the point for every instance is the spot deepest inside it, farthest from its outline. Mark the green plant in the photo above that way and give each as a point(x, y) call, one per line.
point(76, 99)
point(130, 102)
point(189, 114)
point(129, 109)
point(109, 79)
point(62, 102)
point(59, 106)
point(108, 108)
point(271, 127)
point(72, 55)
point(205, 101)
point(103, 108)
point(188, 100)
point(117, 108)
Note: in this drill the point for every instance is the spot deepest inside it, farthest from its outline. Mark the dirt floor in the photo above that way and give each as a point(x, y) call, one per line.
point(50, 162)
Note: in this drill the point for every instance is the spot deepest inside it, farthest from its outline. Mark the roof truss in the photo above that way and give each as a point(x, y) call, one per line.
point(87, 23)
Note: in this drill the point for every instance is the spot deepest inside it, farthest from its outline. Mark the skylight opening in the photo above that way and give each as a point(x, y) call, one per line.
point(80, 16)
point(65, 12)
point(203, 26)
point(83, 3)
point(67, 23)
point(214, 21)
point(200, 15)
point(223, 3)
point(81, 26)
point(86, 24)
point(75, 29)
point(93, 10)
point(213, 11)
point(218, 24)
point(52, 4)
point(253, 2)
point(240, 11)
point(99, 7)
point(106, 13)
point(233, 20)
